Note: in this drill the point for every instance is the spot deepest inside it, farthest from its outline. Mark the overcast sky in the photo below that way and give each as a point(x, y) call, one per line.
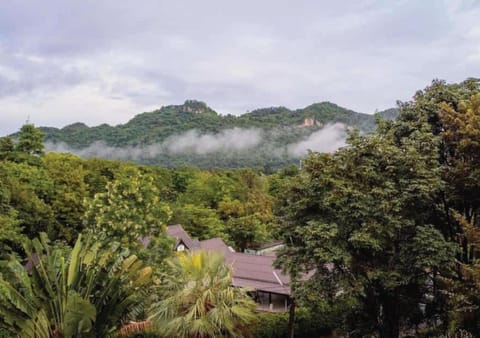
point(100, 61)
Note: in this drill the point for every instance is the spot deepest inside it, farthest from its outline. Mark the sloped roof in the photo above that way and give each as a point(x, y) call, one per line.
point(249, 271)
point(176, 231)
point(259, 271)
point(214, 244)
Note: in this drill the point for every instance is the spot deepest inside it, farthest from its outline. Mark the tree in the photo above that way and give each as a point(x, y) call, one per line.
point(29, 147)
point(7, 148)
point(453, 113)
point(70, 190)
point(29, 190)
point(30, 140)
point(199, 221)
point(461, 137)
point(361, 219)
point(245, 225)
point(197, 299)
point(247, 211)
point(11, 236)
point(87, 291)
point(129, 210)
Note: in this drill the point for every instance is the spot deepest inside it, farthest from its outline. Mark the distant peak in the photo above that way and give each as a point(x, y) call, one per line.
point(195, 106)
point(75, 126)
point(324, 104)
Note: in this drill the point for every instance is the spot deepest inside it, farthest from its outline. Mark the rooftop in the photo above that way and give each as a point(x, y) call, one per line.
point(249, 271)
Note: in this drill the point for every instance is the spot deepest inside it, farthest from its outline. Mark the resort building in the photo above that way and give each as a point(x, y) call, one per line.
point(270, 287)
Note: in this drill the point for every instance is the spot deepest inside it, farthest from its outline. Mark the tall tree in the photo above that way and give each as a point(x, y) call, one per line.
point(129, 210)
point(30, 146)
point(453, 113)
point(361, 219)
point(69, 192)
point(30, 140)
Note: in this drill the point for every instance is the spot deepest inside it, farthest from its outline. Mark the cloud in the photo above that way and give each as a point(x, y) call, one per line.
point(191, 142)
point(20, 74)
point(236, 56)
point(326, 140)
point(229, 142)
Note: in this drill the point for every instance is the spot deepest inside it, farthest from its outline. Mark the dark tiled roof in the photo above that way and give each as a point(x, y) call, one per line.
point(249, 271)
point(214, 244)
point(260, 271)
point(261, 286)
point(177, 232)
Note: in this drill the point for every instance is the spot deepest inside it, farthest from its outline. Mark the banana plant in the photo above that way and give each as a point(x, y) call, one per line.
point(87, 291)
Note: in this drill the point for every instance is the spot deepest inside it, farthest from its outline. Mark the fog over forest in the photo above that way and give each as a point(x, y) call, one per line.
point(235, 140)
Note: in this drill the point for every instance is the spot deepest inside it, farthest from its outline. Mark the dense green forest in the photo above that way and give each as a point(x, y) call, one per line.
point(268, 138)
point(386, 229)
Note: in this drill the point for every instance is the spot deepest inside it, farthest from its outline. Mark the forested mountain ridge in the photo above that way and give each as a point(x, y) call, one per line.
point(155, 126)
point(277, 135)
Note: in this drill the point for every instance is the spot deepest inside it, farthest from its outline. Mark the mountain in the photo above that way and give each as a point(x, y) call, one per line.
point(194, 134)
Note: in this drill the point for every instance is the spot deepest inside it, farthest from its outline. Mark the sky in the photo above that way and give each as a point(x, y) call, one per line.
point(106, 61)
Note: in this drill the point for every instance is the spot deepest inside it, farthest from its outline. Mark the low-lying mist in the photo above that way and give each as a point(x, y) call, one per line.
point(228, 142)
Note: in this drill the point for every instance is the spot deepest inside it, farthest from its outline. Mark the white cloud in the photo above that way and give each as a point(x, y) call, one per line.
point(326, 140)
point(229, 140)
point(72, 64)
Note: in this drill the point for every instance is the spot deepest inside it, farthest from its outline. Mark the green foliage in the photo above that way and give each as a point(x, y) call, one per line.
point(11, 237)
point(270, 325)
point(70, 189)
point(128, 210)
point(279, 124)
point(233, 204)
point(366, 211)
point(86, 291)
point(29, 146)
point(452, 113)
point(98, 173)
point(201, 222)
point(7, 148)
point(308, 323)
point(29, 190)
point(30, 140)
point(196, 299)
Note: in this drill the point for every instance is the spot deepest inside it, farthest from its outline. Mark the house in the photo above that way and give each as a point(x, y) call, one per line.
point(271, 288)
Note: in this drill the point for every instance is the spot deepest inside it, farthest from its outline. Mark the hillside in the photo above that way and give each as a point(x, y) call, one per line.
point(194, 134)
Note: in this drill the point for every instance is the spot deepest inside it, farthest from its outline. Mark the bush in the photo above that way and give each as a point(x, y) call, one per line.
point(271, 325)
point(275, 325)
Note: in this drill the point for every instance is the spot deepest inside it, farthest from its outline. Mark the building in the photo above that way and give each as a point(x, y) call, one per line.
point(270, 287)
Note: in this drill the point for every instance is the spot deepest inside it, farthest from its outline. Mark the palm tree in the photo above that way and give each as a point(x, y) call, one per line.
point(87, 294)
point(198, 301)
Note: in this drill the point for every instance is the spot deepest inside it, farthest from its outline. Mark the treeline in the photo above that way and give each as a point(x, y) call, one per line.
point(54, 193)
point(147, 138)
point(155, 127)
